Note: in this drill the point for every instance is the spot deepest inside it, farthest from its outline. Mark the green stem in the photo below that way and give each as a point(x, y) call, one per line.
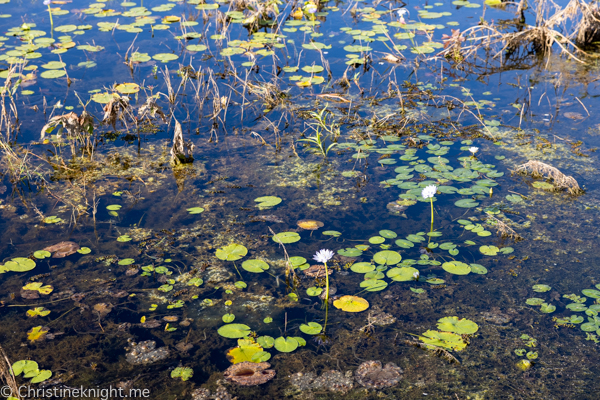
point(238, 271)
point(51, 22)
point(326, 295)
point(431, 231)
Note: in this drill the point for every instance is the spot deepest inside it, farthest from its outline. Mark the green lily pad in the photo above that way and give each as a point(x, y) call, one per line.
point(286, 345)
point(489, 250)
point(388, 234)
point(41, 254)
point(350, 252)
point(541, 288)
point(577, 307)
point(594, 294)
point(478, 269)
point(114, 207)
point(53, 73)
point(231, 252)
point(387, 257)
point(332, 233)
point(314, 291)
point(312, 328)
point(54, 65)
point(466, 203)
point(547, 308)
point(255, 266)
point(534, 301)
point(195, 210)
point(267, 201)
point(376, 240)
point(19, 264)
point(286, 237)
point(407, 244)
point(460, 326)
point(362, 267)
point(456, 268)
point(227, 318)
point(165, 57)
point(234, 331)
point(373, 285)
point(402, 274)
point(184, 373)
point(265, 341)
point(126, 261)
point(196, 47)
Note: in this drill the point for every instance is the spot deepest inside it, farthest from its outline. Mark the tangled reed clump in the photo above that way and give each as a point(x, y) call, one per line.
point(538, 169)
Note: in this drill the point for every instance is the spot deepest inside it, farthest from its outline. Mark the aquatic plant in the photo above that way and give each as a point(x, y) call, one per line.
point(428, 193)
point(323, 256)
point(319, 127)
point(247, 351)
point(184, 373)
point(351, 303)
point(234, 331)
point(30, 369)
point(48, 3)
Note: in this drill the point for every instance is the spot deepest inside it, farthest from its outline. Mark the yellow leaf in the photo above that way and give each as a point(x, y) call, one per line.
point(244, 352)
point(143, 319)
point(37, 333)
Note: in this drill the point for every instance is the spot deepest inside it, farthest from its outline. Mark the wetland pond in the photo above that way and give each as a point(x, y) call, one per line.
point(215, 199)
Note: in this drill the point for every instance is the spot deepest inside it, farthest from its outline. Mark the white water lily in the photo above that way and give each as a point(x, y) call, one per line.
point(323, 255)
point(429, 191)
point(473, 150)
point(416, 276)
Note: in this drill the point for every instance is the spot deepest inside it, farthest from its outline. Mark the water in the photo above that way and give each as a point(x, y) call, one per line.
point(399, 127)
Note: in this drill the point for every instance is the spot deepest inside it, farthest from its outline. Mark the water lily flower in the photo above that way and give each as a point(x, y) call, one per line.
point(473, 150)
point(401, 13)
point(429, 191)
point(323, 255)
point(416, 276)
point(47, 2)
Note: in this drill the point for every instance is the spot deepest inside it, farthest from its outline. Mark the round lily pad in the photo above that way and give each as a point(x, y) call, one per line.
point(286, 237)
point(362, 267)
point(489, 250)
point(376, 240)
point(332, 233)
point(461, 326)
point(127, 88)
point(407, 244)
point(373, 285)
point(388, 234)
point(314, 291)
point(41, 254)
point(234, 331)
point(286, 345)
point(576, 307)
point(255, 266)
point(267, 201)
point(312, 328)
point(350, 252)
point(54, 65)
point(534, 301)
point(53, 73)
point(351, 303)
point(466, 203)
point(19, 264)
point(126, 261)
point(456, 268)
point(195, 210)
point(541, 288)
point(478, 269)
point(594, 294)
point(165, 57)
point(547, 308)
point(387, 257)
point(196, 47)
point(231, 252)
point(402, 274)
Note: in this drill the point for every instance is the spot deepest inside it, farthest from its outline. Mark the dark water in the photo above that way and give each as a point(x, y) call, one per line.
point(402, 126)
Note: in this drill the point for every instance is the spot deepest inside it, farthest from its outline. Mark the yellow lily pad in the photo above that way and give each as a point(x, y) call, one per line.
point(351, 304)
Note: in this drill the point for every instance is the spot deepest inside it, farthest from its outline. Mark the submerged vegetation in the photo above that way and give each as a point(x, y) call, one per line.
point(261, 199)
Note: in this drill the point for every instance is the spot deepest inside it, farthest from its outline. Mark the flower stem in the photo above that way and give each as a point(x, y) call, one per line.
point(326, 295)
point(431, 231)
point(51, 22)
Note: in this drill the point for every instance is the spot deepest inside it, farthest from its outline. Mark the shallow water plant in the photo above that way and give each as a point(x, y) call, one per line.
point(428, 193)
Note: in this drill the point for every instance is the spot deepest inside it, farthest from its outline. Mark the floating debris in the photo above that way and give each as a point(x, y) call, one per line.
point(145, 352)
point(249, 373)
point(62, 249)
point(372, 375)
point(266, 218)
point(539, 169)
point(334, 381)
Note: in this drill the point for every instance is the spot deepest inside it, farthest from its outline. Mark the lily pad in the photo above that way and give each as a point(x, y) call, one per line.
point(165, 57)
point(478, 269)
point(489, 250)
point(267, 201)
point(19, 264)
point(461, 326)
point(547, 308)
point(541, 288)
point(594, 294)
point(312, 328)
point(41, 254)
point(362, 267)
point(195, 210)
point(234, 331)
point(456, 268)
point(534, 301)
point(314, 291)
point(351, 303)
point(286, 237)
point(286, 345)
point(387, 257)
point(350, 252)
point(402, 274)
point(255, 266)
point(231, 252)
point(466, 203)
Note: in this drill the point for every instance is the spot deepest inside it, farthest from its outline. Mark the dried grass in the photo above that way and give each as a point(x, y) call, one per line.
point(503, 229)
point(538, 169)
point(6, 374)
